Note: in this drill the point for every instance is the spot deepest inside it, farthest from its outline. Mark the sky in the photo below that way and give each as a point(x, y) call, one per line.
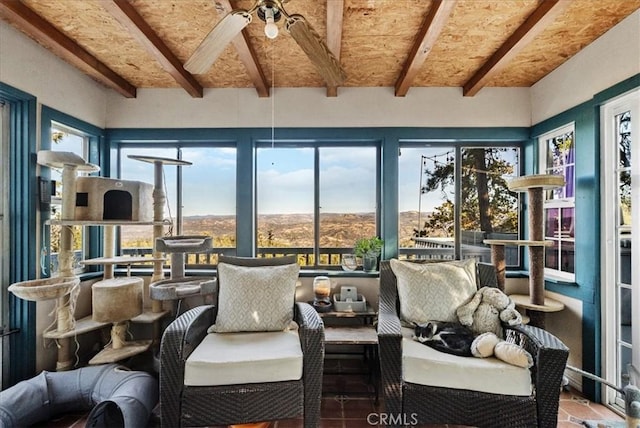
point(284, 178)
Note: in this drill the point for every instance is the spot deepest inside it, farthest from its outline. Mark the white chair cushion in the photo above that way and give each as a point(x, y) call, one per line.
point(236, 358)
point(424, 365)
point(433, 291)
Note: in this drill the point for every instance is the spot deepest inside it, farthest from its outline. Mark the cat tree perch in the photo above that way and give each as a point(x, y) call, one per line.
point(535, 303)
point(178, 286)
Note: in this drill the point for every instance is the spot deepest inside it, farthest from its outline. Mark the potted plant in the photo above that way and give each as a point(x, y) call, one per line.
point(369, 250)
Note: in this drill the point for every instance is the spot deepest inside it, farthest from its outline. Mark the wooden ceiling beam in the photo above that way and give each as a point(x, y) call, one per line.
point(247, 54)
point(544, 15)
point(335, 13)
point(59, 43)
point(432, 26)
point(131, 20)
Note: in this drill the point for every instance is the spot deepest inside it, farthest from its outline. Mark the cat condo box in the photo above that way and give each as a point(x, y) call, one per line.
point(348, 300)
point(108, 199)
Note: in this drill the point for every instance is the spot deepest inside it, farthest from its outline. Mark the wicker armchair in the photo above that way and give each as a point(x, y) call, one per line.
point(182, 405)
point(423, 404)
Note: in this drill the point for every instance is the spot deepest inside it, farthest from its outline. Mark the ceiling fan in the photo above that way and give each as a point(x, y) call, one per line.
point(269, 11)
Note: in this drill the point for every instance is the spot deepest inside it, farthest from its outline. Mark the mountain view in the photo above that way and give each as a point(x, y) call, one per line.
point(337, 230)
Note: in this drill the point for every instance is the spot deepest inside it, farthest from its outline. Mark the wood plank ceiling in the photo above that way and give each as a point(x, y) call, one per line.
point(400, 44)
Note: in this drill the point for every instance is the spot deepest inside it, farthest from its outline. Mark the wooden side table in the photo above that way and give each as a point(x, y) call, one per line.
point(355, 329)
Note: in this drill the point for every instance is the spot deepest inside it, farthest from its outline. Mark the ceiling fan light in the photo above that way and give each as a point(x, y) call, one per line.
point(270, 28)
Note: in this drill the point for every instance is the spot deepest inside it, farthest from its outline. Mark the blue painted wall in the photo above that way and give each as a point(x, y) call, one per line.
point(587, 284)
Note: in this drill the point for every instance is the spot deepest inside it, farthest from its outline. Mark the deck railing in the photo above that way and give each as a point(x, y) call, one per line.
point(329, 257)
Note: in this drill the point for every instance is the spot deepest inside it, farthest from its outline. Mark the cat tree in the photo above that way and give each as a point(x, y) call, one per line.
point(535, 303)
point(178, 286)
point(95, 201)
point(65, 286)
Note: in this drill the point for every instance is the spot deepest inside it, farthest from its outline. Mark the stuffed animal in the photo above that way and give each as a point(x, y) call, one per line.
point(488, 344)
point(486, 310)
point(484, 315)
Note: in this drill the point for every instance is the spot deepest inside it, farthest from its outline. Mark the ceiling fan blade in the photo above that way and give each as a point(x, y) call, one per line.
point(315, 48)
point(216, 41)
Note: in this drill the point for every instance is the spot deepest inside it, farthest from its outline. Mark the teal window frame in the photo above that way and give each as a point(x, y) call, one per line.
point(20, 363)
point(96, 155)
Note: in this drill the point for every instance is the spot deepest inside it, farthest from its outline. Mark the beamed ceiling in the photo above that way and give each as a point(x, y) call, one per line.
point(401, 44)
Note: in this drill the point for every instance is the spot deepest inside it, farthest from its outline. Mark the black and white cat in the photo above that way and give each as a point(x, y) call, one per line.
point(450, 337)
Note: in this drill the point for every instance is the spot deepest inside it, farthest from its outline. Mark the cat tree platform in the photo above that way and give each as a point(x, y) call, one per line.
point(498, 255)
point(540, 181)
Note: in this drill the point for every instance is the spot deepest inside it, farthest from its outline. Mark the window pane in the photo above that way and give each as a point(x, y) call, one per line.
point(213, 173)
point(426, 196)
point(139, 239)
point(567, 257)
point(489, 209)
point(558, 152)
point(65, 139)
point(347, 199)
point(623, 124)
point(285, 201)
point(561, 160)
point(551, 223)
point(567, 223)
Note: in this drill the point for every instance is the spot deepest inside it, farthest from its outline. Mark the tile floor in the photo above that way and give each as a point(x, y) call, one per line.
point(349, 399)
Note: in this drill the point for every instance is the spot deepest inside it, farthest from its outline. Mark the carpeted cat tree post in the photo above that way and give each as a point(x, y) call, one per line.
point(535, 303)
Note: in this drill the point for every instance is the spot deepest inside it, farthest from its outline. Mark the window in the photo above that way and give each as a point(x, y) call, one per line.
point(620, 273)
point(488, 209)
point(444, 188)
point(65, 139)
point(315, 200)
point(557, 154)
point(200, 198)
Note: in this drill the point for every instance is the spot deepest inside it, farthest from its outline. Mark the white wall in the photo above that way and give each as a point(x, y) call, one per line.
point(27, 66)
point(612, 58)
point(310, 107)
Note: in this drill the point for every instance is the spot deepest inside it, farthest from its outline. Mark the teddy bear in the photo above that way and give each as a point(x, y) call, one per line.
point(484, 314)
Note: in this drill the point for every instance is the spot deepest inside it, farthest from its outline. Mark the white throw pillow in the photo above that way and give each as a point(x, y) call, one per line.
point(257, 298)
point(433, 291)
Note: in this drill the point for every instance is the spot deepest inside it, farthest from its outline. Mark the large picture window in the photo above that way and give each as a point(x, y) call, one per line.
point(200, 198)
point(315, 201)
point(557, 150)
point(452, 198)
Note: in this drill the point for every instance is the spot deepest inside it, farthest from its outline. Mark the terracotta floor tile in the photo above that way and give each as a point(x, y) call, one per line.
point(605, 412)
point(357, 408)
point(289, 423)
point(350, 408)
point(568, 424)
point(332, 423)
point(563, 415)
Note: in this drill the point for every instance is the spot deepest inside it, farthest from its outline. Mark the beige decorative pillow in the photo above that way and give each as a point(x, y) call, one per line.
point(257, 298)
point(433, 291)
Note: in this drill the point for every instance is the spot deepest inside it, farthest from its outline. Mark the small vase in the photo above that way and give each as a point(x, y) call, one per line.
point(369, 263)
point(349, 262)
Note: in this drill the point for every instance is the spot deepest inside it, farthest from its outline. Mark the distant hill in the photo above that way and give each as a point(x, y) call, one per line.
point(336, 229)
